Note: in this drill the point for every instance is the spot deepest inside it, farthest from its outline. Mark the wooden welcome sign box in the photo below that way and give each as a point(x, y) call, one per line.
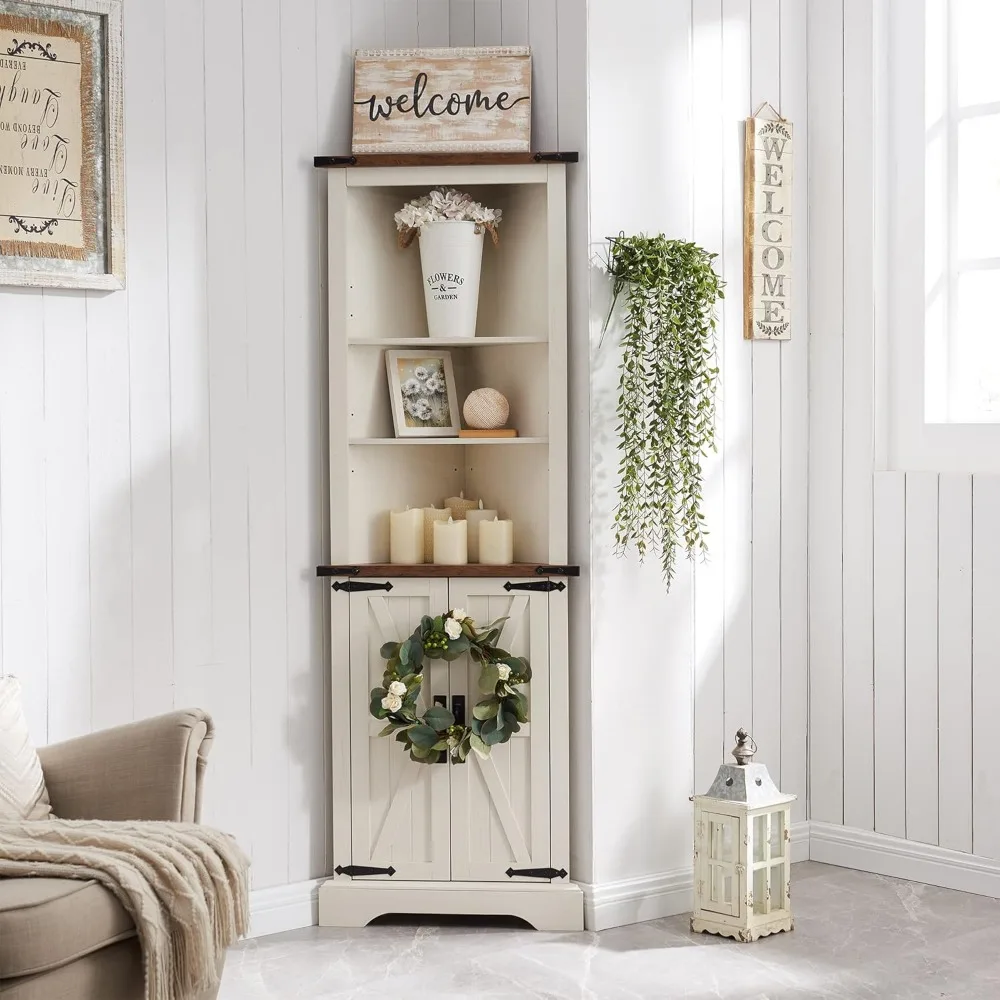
point(455, 100)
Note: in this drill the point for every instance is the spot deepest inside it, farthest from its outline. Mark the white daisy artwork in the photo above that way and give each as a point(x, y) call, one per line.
point(422, 393)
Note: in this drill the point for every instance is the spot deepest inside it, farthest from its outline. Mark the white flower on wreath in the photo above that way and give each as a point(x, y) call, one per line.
point(453, 628)
point(397, 688)
point(392, 703)
point(459, 614)
point(503, 669)
point(411, 387)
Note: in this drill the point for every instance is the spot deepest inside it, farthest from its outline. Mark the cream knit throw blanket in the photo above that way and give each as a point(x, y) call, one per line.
point(185, 886)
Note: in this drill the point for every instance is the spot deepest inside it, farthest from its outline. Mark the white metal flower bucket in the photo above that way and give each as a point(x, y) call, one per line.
point(451, 255)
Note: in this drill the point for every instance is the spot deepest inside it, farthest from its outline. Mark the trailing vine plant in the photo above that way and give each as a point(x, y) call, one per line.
point(666, 401)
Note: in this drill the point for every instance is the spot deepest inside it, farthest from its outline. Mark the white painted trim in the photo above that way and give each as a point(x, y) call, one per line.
point(865, 851)
point(650, 897)
point(284, 907)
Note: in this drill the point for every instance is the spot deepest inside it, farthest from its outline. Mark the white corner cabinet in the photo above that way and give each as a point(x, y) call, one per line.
point(487, 836)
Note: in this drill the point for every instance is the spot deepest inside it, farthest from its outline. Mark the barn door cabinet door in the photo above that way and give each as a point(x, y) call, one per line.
point(400, 810)
point(500, 806)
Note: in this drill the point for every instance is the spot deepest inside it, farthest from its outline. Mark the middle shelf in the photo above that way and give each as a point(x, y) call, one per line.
point(474, 442)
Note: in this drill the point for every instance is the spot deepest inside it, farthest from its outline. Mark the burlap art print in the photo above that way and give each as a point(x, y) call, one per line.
point(60, 144)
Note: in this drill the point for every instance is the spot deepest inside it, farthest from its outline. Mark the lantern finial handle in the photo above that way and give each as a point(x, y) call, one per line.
point(745, 748)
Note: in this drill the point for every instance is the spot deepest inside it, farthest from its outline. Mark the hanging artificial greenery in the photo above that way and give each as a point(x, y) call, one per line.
point(666, 402)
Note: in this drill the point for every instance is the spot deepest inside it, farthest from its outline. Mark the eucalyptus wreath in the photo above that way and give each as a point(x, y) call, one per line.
point(496, 717)
point(666, 401)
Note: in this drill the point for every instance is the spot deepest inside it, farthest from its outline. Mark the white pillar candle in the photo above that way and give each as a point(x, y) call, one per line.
point(451, 543)
point(460, 506)
point(432, 515)
point(406, 536)
point(475, 518)
point(496, 542)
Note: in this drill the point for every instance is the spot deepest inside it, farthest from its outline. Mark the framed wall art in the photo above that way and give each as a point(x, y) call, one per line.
point(422, 393)
point(62, 200)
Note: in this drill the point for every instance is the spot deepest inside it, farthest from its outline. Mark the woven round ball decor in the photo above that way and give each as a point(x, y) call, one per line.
point(486, 409)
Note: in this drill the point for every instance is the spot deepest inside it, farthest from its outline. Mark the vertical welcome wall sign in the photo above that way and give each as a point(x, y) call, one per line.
point(473, 100)
point(767, 242)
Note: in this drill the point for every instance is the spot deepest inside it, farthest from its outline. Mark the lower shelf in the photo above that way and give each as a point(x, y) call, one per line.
point(548, 906)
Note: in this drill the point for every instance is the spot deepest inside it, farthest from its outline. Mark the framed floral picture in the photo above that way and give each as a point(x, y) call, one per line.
point(422, 393)
point(62, 197)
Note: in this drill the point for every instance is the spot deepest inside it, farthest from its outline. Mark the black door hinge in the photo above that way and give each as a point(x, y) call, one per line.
point(354, 586)
point(355, 870)
point(546, 587)
point(536, 873)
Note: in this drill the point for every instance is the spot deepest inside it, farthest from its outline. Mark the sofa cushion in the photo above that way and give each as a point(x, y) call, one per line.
point(22, 785)
point(47, 922)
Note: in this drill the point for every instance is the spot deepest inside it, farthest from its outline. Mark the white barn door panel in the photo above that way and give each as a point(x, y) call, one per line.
point(399, 809)
point(500, 806)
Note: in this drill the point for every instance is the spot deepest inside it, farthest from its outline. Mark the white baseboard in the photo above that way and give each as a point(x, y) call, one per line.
point(284, 908)
point(650, 897)
point(874, 852)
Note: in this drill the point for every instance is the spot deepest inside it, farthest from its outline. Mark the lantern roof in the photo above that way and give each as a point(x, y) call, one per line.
point(746, 783)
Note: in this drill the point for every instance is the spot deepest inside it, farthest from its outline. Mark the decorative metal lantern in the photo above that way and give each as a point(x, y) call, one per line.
point(742, 862)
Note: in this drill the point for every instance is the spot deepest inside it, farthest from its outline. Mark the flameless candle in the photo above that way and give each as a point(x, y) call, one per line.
point(451, 543)
point(432, 515)
point(496, 542)
point(460, 506)
point(475, 518)
point(406, 536)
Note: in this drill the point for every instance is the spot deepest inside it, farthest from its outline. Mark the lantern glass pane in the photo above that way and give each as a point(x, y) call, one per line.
point(759, 838)
point(722, 840)
point(722, 885)
point(778, 887)
point(777, 835)
point(760, 904)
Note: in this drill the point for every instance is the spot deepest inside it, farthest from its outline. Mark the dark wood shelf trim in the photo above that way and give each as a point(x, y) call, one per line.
point(444, 159)
point(389, 570)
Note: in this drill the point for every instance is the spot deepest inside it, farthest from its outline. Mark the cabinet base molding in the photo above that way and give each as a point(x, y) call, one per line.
point(547, 907)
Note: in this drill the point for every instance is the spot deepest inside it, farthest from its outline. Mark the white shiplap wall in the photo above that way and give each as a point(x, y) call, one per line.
point(674, 676)
point(162, 498)
point(904, 582)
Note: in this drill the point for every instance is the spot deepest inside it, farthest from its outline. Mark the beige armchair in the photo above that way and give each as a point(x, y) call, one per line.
point(62, 939)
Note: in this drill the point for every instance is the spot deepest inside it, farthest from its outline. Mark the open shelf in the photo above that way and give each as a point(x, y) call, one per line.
point(425, 341)
point(490, 442)
point(522, 569)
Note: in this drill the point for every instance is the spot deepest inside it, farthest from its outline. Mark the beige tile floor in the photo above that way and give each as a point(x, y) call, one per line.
point(856, 935)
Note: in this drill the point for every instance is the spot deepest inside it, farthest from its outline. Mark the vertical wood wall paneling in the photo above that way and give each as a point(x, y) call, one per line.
point(548, 35)
point(514, 22)
point(189, 383)
point(826, 166)
point(461, 22)
point(890, 653)
point(67, 513)
point(737, 377)
point(267, 506)
point(110, 464)
point(858, 437)
point(954, 681)
point(22, 501)
point(765, 85)
point(985, 664)
point(433, 23)
point(149, 360)
point(226, 683)
point(401, 24)
point(368, 24)
point(708, 140)
point(306, 384)
point(921, 657)
point(488, 22)
point(795, 429)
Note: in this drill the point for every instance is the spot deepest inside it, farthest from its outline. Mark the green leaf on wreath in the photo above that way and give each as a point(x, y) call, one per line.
point(475, 743)
point(486, 709)
point(489, 679)
point(426, 624)
point(519, 703)
point(375, 707)
point(456, 648)
point(389, 650)
point(439, 718)
point(438, 624)
point(403, 736)
point(423, 736)
point(391, 728)
point(404, 652)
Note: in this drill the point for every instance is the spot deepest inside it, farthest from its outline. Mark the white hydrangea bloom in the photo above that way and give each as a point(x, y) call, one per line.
point(397, 688)
point(453, 628)
point(442, 205)
point(392, 702)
